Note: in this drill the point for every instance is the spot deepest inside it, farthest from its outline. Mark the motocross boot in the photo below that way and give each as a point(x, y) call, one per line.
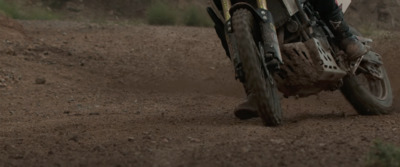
point(247, 109)
point(347, 40)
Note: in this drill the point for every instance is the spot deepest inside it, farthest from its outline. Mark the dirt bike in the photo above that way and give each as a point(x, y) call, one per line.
point(284, 45)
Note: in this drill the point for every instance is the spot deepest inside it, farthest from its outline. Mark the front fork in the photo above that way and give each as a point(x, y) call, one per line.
point(267, 31)
point(226, 6)
point(267, 27)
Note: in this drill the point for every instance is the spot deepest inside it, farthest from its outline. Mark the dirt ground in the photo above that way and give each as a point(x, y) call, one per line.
point(82, 94)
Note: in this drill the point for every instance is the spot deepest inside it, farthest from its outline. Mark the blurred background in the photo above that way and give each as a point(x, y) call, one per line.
point(166, 12)
point(366, 14)
point(102, 88)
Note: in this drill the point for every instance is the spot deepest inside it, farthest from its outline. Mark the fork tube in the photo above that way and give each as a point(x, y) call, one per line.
point(226, 6)
point(262, 4)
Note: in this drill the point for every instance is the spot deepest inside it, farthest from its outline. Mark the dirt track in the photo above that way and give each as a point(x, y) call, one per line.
point(161, 96)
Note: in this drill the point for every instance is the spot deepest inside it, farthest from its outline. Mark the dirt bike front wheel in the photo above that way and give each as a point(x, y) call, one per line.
point(265, 91)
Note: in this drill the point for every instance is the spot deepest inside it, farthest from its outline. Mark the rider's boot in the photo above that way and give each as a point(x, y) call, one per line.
point(347, 40)
point(247, 109)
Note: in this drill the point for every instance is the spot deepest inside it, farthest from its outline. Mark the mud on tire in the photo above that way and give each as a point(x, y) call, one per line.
point(265, 91)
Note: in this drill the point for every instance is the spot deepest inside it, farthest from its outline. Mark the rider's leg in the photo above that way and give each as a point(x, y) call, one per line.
point(333, 15)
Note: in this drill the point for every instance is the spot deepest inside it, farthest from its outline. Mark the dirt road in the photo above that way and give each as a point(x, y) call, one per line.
point(77, 94)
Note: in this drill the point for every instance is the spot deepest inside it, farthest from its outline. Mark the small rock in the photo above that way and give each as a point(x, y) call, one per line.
point(40, 81)
point(277, 141)
point(94, 113)
point(245, 149)
point(8, 42)
point(166, 140)
point(131, 139)
point(99, 148)
point(30, 48)
point(74, 138)
point(16, 157)
point(11, 51)
point(194, 139)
